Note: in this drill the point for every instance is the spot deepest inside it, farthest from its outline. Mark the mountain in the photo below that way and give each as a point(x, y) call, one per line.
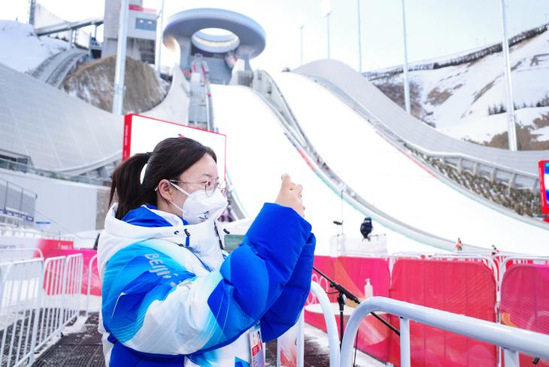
point(464, 96)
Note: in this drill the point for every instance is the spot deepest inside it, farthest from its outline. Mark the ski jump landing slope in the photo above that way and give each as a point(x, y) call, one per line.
point(258, 152)
point(392, 181)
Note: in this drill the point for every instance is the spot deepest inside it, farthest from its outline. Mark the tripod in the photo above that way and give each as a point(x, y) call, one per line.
point(341, 301)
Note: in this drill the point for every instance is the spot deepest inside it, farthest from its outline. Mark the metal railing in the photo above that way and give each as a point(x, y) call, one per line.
point(17, 203)
point(20, 292)
point(511, 339)
point(90, 272)
point(37, 299)
point(331, 326)
point(20, 167)
point(74, 266)
point(19, 253)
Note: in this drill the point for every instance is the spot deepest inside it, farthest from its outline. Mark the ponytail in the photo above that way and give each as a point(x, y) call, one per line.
point(126, 184)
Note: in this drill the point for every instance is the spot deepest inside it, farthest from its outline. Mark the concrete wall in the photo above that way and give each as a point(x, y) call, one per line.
point(70, 206)
point(111, 25)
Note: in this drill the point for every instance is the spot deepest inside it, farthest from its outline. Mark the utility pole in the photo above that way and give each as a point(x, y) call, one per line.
point(301, 42)
point(359, 39)
point(32, 8)
point(118, 97)
point(511, 127)
point(327, 10)
point(405, 66)
point(328, 31)
point(159, 27)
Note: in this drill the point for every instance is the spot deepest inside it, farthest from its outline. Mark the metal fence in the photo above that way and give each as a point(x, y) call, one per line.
point(91, 270)
point(20, 293)
point(20, 253)
point(17, 204)
point(37, 299)
point(511, 339)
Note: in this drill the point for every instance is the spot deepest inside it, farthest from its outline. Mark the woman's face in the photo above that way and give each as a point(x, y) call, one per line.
point(197, 177)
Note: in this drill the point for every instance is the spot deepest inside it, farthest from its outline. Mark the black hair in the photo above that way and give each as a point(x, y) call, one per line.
point(169, 159)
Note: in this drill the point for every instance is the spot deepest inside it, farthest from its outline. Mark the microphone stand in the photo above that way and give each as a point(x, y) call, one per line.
point(341, 301)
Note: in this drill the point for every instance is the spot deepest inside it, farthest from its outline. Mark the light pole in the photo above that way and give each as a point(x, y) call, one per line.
point(359, 39)
point(327, 10)
point(118, 97)
point(301, 43)
point(32, 9)
point(512, 132)
point(405, 66)
point(159, 26)
point(328, 31)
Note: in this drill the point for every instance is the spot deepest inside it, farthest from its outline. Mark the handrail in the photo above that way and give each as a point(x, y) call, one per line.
point(331, 326)
point(83, 168)
point(20, 167)
point(510, 338)
point(16, 250)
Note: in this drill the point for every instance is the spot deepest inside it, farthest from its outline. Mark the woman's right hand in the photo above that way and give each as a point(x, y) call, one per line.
point(290, 195)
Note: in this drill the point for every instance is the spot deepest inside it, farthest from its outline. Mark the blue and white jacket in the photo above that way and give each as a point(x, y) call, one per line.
point(172, 297)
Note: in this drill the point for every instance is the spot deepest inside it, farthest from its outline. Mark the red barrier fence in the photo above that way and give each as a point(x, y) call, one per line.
point(455, 284)
point(525, 300)
point(462, 287)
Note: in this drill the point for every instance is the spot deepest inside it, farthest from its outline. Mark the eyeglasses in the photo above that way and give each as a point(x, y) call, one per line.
point(209, 185)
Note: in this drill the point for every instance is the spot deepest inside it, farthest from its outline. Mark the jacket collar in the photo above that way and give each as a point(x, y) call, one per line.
point(202, 239)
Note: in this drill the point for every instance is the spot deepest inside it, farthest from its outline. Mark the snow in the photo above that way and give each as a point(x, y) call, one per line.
point(389, 179)
point(319, 338)
point(477, 86)
point(258, 153)
point(25, 50)
point(483, 129)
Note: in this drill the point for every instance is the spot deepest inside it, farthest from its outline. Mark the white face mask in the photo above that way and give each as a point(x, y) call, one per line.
point(198, 207)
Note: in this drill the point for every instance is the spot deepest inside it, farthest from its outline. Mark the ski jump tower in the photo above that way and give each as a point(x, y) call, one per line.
point(189, 33)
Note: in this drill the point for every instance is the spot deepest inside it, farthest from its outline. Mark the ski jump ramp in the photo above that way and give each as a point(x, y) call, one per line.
point(259, 151)
point(391, 180)
point(519, 166)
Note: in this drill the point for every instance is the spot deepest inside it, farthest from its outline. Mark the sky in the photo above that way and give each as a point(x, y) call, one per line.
point(434, 28)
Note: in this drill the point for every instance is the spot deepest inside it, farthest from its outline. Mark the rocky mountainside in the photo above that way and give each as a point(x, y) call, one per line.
point(94, 83)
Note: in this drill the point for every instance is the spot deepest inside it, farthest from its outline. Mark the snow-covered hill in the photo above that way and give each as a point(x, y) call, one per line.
point(466, 101)
point(22, 50)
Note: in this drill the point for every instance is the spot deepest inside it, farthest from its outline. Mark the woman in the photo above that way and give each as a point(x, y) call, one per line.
point(171, 296)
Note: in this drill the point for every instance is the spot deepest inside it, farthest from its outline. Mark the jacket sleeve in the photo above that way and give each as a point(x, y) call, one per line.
point(284, 313)
point(153, 304)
